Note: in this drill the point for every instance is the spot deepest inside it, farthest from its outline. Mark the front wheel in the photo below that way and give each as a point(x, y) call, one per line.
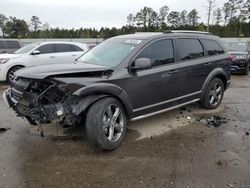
point(213, 94)
point(11, 73)
point(106, 124)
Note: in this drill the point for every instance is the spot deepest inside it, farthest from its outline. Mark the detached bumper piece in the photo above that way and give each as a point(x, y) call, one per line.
point(7, 99)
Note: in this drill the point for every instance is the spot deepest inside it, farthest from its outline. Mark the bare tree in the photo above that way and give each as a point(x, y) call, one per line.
point(35, 22)
point(130, 20)
point(210, 6)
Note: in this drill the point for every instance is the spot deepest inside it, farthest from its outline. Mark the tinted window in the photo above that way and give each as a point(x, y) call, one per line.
point(212, 47)
point(63, 48)
point(189, 49)
point(47, 48)
point(160, 52)
point(75, 48)
point(12, 44)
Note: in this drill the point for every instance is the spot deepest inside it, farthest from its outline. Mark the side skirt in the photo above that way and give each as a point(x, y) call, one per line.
point(164, 110)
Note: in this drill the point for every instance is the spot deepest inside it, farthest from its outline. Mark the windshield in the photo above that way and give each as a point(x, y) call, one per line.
point(26, 49)
point(236, 46)
point(110, 53)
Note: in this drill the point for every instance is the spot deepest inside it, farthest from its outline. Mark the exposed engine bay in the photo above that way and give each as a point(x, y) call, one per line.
point(44, 101)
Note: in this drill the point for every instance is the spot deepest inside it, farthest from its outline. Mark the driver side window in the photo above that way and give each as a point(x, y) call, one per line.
point(46, 49)
point(160, 52)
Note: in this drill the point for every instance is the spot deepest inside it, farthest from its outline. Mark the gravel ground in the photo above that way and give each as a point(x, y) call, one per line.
point(169, 150)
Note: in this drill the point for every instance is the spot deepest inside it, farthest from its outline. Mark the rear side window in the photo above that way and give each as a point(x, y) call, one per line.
point(46, 49)
point(75, 48)
point(12, 44)
point(160, 52)
point(63, 48)
point(189, 49)
point(212, 47)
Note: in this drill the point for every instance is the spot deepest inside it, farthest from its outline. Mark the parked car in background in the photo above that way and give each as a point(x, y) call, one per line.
point(240, 55)
point(44, 53)
point(125, 78)
point(9, 45)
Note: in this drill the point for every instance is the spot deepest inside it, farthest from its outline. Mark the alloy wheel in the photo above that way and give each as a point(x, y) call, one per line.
point(215, 94)
point(113, 122)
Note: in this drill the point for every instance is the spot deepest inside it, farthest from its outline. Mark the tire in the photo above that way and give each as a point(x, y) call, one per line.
point(10, 74)
point(103, 131)
point(213, 91)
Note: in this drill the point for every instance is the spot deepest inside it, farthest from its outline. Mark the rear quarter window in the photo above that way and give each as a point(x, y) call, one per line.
point(212, 47)
point(75, 48)
point(189, 49)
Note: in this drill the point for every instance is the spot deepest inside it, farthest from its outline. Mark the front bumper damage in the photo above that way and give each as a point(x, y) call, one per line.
point(31, 107)
point(53, 104)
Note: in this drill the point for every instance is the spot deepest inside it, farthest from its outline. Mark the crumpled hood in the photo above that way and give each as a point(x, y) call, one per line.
point(9, 56)
point(43, 71)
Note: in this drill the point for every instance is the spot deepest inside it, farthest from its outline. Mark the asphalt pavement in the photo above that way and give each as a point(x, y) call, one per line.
point(187, 147)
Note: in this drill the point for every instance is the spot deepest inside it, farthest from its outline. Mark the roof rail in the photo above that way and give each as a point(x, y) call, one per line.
point(186, 31)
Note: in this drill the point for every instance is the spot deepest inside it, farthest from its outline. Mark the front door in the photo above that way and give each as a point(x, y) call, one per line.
point(149, 89)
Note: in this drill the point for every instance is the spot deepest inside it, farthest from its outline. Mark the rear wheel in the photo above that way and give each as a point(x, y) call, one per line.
point(213, 94)
point(106, 124)
point(11, 73)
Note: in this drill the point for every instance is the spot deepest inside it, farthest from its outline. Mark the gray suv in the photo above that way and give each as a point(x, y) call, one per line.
point(125, 78)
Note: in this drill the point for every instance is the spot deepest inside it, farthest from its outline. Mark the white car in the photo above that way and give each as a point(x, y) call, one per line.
point(39, 54)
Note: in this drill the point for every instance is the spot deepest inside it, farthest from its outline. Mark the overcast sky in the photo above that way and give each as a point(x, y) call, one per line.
point(92, 13)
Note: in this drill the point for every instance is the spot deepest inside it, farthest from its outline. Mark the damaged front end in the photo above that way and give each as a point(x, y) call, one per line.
point(43, 101)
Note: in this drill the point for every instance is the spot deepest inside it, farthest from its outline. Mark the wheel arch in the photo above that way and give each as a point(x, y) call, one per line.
point(11, 67)
point(217, 73)
point(95, 92)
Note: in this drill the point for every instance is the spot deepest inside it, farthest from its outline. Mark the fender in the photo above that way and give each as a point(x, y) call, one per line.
point(106, 89)
point(10, 67)
point(86, 102)
point(218, 72)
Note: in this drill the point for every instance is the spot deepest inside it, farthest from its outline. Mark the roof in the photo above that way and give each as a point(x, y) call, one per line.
point(151, 35)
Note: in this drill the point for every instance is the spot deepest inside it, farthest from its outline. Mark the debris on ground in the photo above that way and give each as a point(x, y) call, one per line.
point(2, 129)
point(215, 121)
point(247, 133)
point(189, 118)
point(221, 163)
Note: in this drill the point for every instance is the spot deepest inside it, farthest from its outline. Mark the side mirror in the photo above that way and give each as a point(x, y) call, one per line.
point(35, 52)
point(141, 64)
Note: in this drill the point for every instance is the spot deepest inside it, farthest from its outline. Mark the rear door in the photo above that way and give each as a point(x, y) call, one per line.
point(66, 53)
point(194, 66)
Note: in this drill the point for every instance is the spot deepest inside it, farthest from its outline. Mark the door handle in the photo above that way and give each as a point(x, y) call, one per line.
point(52, 57)
point(173, 71)
point(74, 55)
point(207, 64)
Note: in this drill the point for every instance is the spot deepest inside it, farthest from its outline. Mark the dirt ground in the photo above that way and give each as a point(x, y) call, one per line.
point(169, 150)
